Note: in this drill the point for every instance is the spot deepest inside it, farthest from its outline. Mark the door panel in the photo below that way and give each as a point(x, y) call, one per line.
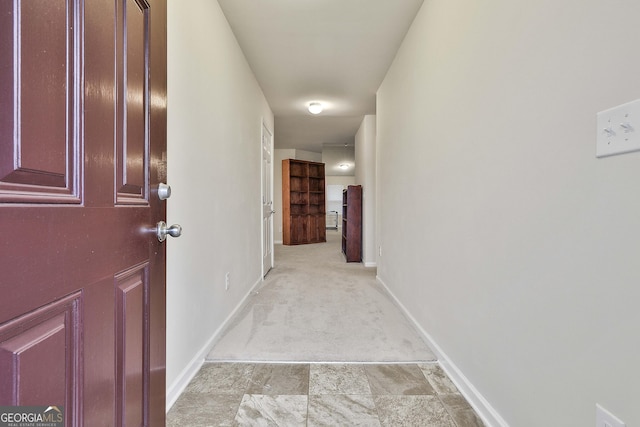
point(82, 150)
point(133, 43)
point(299, 230)
point(317, 228)
point(132, 337)
point(40, 163)
point(39, 355)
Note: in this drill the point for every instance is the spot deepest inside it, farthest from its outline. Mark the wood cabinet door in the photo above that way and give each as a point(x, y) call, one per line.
point(317, 228)
point(299, 229)
point(82, 150)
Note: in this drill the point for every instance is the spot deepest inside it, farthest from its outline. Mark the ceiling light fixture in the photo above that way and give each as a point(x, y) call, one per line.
point(315, 108)
point(344, 165)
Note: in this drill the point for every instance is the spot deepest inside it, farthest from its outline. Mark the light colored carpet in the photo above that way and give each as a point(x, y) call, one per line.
point(315, 307)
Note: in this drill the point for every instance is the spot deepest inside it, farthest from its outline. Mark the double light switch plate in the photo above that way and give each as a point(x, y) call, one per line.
point(619, 130)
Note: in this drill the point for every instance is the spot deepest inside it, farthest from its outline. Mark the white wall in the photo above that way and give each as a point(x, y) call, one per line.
point(365, 154)
point(513, 247)
point(309, 156)
point(340, 180)
point(335, 155)
point(278, 156)
point(215, 114)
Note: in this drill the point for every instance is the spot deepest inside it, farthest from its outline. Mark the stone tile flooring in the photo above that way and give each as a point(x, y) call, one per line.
point(258, 394)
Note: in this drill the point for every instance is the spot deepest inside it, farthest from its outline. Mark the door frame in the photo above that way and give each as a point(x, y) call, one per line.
point(264, 128)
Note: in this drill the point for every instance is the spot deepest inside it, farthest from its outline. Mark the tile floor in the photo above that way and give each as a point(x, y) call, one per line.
point(260, 394)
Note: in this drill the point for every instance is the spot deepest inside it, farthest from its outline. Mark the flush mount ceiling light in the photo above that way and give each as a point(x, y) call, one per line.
point(344, 165)
point(315, 108)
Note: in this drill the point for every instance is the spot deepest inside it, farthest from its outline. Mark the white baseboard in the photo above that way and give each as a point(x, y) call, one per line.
point(175, 390)
point(370, 264)
point(277, 242)
point(489, 415)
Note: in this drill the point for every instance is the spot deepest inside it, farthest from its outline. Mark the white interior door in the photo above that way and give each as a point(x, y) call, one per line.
point(267, 201)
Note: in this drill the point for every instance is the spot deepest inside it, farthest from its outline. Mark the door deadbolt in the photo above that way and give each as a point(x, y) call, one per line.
point(164, 191)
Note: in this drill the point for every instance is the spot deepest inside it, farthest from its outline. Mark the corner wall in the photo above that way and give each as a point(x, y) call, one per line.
point(278, 156)
point(503, 235)
point(215, 115)
point(365, 147)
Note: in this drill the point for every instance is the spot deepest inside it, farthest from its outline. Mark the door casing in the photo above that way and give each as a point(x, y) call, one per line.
point(267, 200)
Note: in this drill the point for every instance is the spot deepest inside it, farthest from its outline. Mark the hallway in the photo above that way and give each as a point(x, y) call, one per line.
point(314, 307)
point(321, 342)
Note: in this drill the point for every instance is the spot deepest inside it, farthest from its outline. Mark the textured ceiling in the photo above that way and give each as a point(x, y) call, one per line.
point(333, 51)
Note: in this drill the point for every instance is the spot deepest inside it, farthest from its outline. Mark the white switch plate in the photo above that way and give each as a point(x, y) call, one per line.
point(619, 129)
point(605, 418)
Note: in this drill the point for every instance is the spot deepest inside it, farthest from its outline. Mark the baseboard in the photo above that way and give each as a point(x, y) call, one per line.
point(489, 415)
point(277, 242)
point(370, 264)
point(175, 390)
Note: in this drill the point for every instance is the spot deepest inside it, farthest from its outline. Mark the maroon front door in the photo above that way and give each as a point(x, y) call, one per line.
point(82, 151)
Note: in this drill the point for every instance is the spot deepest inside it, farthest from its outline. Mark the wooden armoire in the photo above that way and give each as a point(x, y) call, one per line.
point(303, 202)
